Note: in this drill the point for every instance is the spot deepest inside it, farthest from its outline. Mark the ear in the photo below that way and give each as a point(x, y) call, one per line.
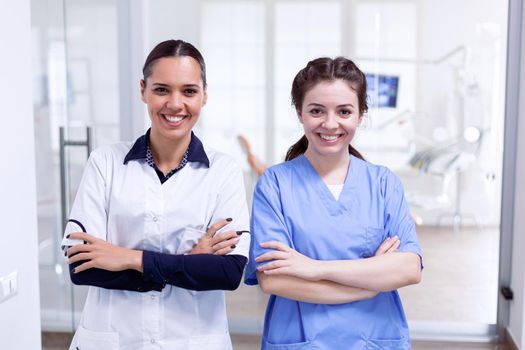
point(360, 119)
point(205, 98)
point(299, 116)
point(142, 88)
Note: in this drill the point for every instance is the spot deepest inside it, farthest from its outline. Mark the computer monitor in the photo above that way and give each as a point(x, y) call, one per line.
point(382, 90)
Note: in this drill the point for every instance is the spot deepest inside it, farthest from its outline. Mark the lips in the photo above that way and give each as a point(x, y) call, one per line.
point(329, 138)
point(174, 119)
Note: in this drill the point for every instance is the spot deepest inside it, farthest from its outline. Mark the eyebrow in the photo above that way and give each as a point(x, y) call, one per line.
point(196, 86)
point(320, 105)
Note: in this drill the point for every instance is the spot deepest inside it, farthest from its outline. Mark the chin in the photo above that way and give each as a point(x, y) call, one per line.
point(175, 134)
point(331, 151)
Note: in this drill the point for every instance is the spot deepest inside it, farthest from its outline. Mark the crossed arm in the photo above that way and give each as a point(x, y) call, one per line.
point(292, 275)
point(206, 267)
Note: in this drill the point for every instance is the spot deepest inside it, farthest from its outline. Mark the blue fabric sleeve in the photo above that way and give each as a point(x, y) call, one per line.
point(198, 272)
point(398, 220)
point(267, 222)
point(119, 280)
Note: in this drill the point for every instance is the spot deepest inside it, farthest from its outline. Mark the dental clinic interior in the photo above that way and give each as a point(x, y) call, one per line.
point(446, 115)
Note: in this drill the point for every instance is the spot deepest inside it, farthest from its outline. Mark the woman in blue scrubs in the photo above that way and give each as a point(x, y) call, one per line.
point(318, 223)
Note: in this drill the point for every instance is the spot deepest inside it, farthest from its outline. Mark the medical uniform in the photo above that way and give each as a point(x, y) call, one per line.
point(293, 205)
point(121, 200)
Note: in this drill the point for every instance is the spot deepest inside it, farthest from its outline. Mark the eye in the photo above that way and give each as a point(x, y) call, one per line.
point(345, 112)
point(315, 111)
point(161, 90)
point(190, 91)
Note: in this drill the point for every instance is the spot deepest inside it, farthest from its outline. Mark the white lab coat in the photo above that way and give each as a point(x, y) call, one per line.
point(127, 205)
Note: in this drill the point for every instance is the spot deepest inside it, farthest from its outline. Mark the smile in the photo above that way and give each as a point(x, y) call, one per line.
point(174, 118)
point(329, 137)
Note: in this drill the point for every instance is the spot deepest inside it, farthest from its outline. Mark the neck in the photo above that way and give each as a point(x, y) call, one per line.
point(168, 153)
point(332, 169)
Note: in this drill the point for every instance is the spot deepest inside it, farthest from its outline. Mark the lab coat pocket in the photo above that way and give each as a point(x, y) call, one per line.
point(374, 238)
point(211, 342)
point(189, 238)
point(387, 344)
point(90, 340)
point(291, 346)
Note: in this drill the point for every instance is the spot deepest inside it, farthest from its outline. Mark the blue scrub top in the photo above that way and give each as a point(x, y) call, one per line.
point(293, 205)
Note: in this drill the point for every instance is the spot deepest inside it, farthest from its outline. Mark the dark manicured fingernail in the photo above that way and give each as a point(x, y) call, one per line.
point(241, 232)
point(233, 246)
point(85, 242)
point(229, 219)
point(68, 236)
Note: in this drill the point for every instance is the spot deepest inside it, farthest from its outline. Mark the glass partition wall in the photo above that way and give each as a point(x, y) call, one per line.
point(50, 113)
point(444, 82)
point(76, 109)
point(436, 74)
point(436, 93)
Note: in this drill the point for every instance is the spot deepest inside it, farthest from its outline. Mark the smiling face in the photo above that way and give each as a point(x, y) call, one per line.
point(330, 116)
point(174, 94)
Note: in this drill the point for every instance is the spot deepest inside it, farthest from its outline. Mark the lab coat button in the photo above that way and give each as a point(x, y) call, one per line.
point(152, 297)
point(155, 219)
point(152, 341)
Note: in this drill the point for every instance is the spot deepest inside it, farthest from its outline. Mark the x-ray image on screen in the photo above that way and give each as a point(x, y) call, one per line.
point(382, 90)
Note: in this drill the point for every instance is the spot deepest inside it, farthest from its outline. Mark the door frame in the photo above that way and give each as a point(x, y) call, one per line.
point(512, 91)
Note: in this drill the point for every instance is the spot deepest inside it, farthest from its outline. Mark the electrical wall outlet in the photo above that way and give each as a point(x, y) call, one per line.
point(8, 286)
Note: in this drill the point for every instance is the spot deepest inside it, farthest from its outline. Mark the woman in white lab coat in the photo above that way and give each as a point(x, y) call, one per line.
point(159, 227)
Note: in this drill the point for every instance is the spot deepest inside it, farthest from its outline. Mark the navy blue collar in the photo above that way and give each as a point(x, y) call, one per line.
point(196, 151)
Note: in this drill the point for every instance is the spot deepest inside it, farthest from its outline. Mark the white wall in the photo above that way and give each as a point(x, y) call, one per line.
point(20, 315)
point(172, 19)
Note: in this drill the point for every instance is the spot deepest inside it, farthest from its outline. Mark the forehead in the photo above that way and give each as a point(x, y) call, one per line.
point(328, 92)
point(180, 70)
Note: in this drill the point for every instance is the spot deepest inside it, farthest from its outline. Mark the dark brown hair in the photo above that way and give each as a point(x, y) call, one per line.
point(321, 70)
point(174, 48)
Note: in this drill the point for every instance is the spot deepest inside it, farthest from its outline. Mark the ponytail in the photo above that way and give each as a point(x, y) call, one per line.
point(297, 149)
point(300, 147)
point(355, 152)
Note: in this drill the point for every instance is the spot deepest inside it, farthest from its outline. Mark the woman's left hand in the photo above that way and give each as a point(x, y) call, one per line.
point(287, 261)
point(98, 253)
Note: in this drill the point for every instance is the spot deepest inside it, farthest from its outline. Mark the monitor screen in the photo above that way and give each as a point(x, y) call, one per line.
point(382, 90)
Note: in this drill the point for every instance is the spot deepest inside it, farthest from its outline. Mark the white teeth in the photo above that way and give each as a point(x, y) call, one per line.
point(173, 119)
point(329, 137)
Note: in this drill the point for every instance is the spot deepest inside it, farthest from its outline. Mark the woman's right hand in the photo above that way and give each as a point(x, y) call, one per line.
point(389, 245)
point(217, 243)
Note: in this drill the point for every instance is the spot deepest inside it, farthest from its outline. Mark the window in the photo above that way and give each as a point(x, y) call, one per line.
point(233, 42)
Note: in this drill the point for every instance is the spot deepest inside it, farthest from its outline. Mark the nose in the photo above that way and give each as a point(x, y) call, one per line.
point(330, 122)
point(175, 101)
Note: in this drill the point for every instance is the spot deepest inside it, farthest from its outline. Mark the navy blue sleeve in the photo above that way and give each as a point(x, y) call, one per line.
point(196, 272)
point(119, 280)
